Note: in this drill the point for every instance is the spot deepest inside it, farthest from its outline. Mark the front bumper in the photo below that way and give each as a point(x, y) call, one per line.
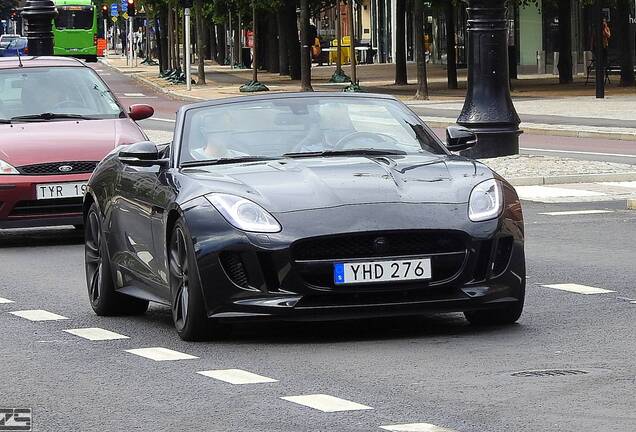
point(289, 275)
point(20, 208)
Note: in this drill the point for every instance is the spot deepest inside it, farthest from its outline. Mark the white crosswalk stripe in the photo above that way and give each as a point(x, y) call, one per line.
point(38, 315)
point(576, 212)
point(160, 354)
point(539, 193)
point(5, 301)
point(237, 376)
point(579, 289)
point(96, 334)
point(415, 427)
point(326, 403)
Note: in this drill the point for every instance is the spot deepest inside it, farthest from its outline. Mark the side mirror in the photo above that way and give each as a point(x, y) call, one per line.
point(142, 154)
point(459, 138)
point(140, 111)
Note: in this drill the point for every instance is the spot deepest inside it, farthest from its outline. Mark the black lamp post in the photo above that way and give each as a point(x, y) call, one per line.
point(39, 15)
point(488, 109)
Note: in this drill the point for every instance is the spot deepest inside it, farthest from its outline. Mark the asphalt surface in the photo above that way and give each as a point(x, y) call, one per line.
point(435, 369)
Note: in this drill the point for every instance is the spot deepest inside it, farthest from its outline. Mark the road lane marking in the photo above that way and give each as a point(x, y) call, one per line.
point(576, 212)
point(161, 119)
point(237, 376)
point(577, 152)
point(5, 301)
point(625, 184)
point(160, 354)
point(326, 403)
point(134, 95)
point(96, 334)
point(38, 315)
point(539, 192)
point(416, 427)
point(579, 289)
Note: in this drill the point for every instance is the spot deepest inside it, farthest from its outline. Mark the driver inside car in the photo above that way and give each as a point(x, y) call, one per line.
point(327, 127)
point(216, 147)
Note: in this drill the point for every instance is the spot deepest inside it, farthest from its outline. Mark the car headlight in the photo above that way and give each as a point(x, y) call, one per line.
point(485, 201)
point(243, 213)
point(6, 168)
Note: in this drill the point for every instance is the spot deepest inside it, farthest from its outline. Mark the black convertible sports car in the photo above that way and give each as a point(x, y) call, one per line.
point(302, 207)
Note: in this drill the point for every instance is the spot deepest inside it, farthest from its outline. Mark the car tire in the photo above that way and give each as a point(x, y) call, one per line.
point(103, 298)
point(500, 316)
point(188, 307)
point(91, 59)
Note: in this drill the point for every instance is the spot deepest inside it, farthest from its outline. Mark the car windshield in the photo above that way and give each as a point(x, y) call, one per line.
point(74, 17)
point(316, 125)
point(55, 90)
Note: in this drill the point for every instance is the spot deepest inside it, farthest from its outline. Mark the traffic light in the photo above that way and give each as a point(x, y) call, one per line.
point(105, 12)
point(131, 8)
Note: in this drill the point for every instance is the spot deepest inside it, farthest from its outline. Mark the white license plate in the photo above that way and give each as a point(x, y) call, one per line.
point(382, 271)
point(60, 190)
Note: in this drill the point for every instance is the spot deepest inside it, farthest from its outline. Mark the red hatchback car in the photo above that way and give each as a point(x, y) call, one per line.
point(58, 119)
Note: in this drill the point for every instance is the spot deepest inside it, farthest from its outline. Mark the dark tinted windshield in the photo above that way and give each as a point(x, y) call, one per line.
point(277, 127)
point(74, 17)
point(59, 90)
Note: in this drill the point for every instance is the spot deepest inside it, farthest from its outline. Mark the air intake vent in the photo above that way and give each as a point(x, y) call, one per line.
point(233, 266)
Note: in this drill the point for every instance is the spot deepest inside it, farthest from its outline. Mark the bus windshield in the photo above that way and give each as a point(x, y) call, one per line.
point(74, 17)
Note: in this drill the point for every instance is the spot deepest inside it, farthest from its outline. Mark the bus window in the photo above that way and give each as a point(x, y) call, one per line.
point(74, 17)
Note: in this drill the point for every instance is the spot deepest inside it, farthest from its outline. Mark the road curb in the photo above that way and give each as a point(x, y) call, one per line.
point(575, 178)
point(530, 128)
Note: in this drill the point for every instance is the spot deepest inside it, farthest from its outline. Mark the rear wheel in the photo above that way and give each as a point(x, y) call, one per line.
point(99, 279)
point(188, 309)
point(500, 316)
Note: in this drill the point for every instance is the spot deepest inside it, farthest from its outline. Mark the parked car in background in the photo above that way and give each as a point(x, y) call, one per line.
point(5, 40)
point(16, 47)
point(58, 119)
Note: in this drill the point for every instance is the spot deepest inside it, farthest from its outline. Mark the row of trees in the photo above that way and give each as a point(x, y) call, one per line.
point(279, 37)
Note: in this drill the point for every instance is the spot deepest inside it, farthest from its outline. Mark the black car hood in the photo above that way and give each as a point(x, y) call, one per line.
point(288, 185)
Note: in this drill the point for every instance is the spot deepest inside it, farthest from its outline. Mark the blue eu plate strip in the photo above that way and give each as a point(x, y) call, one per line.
point(338, 273)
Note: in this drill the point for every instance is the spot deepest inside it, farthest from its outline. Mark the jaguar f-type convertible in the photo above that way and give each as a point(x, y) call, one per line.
point(302, 207)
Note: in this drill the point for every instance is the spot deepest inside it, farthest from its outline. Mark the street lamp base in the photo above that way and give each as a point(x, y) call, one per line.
point(494, 143)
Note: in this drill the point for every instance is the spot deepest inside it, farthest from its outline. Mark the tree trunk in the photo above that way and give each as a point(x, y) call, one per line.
point(162, 43)
point(625, 33)
point(565, 45)
point(422, 82)
point(201, 48)
point(255, 58)
point(352, 45)
point(293, 44)
point(221, 32)
point(237, 41)
point(283, 49)
point(177, 37)
point(213, 49)
point(400, 43)
point(272, 43)
point(451, 59)
point(171, 41)
point(305, 54)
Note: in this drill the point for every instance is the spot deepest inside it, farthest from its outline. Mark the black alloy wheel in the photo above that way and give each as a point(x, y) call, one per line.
point(99, 279)
point(188, 309)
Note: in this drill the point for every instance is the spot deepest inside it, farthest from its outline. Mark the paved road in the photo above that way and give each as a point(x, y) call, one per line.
point(435, 369)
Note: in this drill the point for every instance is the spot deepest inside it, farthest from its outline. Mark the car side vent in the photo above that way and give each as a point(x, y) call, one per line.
point(483, 258)
point(233, 266)
point(502, 255)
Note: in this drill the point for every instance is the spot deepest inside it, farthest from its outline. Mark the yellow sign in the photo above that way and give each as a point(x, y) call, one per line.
point(125, 15)
point(114, 19)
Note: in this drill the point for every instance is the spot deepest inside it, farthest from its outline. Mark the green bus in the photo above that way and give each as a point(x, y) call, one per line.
point(75, 29)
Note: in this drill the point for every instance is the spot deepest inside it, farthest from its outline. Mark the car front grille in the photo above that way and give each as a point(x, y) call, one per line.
point(371, 245)
point(78, 167)
point(47, 207)
point(448, 250)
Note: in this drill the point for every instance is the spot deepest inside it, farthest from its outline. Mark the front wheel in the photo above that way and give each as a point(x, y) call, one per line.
point(188, 308)
point(99, 279)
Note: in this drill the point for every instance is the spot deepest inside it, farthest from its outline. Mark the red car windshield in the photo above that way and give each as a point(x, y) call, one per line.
point(55, 90)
